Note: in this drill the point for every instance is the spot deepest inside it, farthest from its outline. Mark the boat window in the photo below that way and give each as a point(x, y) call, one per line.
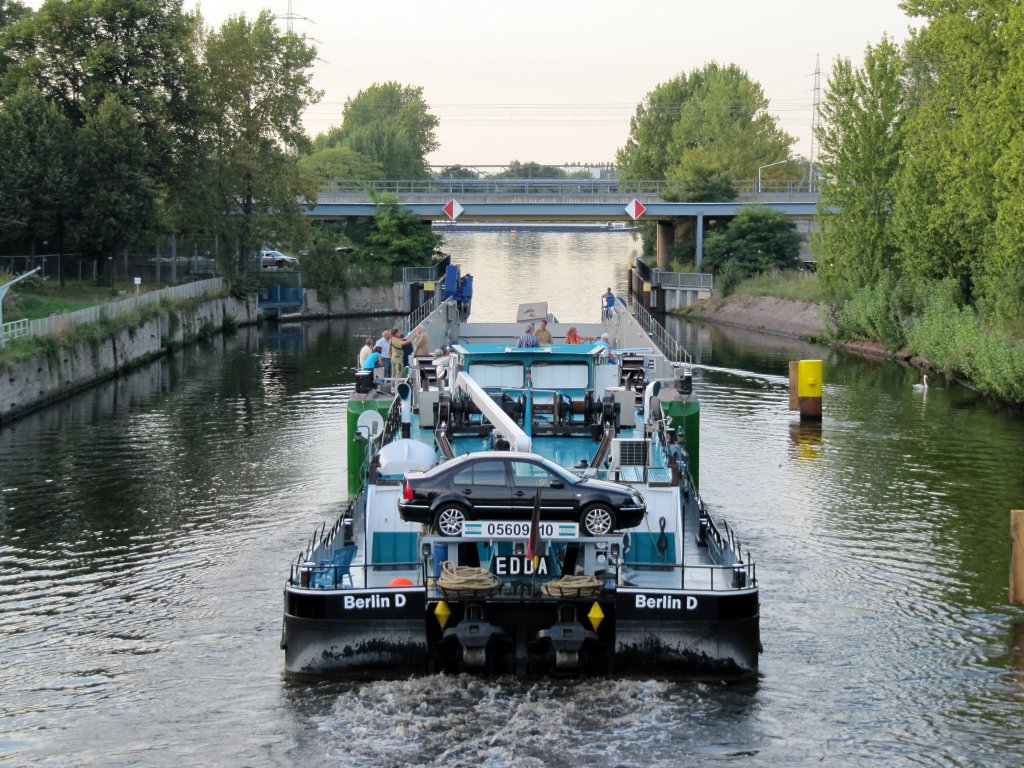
point(560, 375)
point(530, 475)
point(497, 375)
point(481, 473)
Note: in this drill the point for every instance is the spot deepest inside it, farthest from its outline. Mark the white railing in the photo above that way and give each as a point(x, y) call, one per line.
point(13, 330)
point(664, 340)
point(57, 323)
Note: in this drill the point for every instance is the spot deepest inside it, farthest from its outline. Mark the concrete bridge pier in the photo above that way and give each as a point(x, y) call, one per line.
point(666, 239)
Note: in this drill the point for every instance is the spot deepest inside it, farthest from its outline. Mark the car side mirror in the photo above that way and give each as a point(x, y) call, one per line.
point(557, 484)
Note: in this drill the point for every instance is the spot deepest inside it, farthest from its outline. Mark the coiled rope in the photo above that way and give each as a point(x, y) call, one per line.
point(464, 577)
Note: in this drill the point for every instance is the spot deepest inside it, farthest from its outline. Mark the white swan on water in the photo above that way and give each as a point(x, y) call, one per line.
point(923, 386)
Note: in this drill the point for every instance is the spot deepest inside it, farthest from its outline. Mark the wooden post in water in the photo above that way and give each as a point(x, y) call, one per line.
point(1017, 556)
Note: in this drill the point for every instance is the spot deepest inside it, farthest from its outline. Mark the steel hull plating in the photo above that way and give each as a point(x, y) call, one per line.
point(669, 635)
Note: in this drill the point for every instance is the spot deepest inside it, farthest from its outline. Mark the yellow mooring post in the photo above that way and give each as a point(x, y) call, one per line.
point(1017, 556)
point(808, 390)
point(794, 382)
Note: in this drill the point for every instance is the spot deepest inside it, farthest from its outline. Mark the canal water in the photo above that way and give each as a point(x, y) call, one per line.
point(146, 528)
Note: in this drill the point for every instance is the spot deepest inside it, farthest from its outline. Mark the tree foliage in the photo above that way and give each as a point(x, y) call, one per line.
point(757, 240)
point(390, 125)
point(710, 123)
point(399, 238)
point(861, 141)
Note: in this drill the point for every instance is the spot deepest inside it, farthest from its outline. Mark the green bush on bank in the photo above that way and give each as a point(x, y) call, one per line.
point(794, 285)
point(959, 342)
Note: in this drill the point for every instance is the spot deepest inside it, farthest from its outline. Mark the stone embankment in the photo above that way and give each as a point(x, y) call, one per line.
point(28, 384)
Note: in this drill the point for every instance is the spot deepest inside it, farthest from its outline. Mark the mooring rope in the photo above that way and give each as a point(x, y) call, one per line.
point(465, 577)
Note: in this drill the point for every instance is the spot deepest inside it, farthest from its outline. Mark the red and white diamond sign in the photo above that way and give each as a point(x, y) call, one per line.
point(635, 209)
point(452, 209)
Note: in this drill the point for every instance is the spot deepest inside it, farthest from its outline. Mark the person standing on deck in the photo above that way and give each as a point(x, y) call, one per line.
point(384, 342)
point(543, 334)
point(421, 342)
point(528, 339)
point(609, 303)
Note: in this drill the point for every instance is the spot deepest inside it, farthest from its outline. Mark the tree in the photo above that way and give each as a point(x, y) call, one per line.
point(120, 202)
point(712, 122)
point(457, 172)
point(399, 238)
point(258, 83)
point(327, 270)
point(758, 239)
point(391, 125)
point(338, 164)
point(143, 52)
point(861, 141)
point(36, 170)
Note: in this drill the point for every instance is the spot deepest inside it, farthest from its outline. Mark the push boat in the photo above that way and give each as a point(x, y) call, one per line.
point(673, 597)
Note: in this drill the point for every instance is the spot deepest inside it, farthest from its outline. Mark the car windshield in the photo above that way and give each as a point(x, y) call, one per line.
point(561, 471)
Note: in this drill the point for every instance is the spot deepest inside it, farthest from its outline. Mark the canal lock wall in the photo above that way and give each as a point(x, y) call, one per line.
point(29, 384)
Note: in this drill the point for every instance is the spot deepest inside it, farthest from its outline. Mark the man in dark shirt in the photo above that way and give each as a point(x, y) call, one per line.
point(528, 339)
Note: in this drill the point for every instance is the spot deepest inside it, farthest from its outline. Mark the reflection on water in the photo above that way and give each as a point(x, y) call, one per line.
point(146, 526)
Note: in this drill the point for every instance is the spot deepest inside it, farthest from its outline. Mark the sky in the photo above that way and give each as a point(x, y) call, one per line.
point(556, 81)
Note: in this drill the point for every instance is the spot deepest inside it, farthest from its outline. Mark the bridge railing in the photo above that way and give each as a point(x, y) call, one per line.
point(506, 186)
point(700, 281)
point(671, 348)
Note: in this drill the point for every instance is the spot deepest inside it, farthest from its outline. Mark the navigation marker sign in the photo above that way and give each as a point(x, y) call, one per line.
point(635, 209)
point(452, 209)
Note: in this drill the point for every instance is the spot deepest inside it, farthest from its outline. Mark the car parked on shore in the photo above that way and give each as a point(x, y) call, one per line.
point(277, 260)
point(502, 485)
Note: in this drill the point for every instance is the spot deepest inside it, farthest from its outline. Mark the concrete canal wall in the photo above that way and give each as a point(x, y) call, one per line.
point(373, 300)
point(28, 384)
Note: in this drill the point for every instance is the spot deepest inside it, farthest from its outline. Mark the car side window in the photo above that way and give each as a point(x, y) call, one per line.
point(489, 473)
point(529, 475)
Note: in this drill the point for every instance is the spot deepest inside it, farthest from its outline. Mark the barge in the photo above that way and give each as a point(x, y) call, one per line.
point(492, 489)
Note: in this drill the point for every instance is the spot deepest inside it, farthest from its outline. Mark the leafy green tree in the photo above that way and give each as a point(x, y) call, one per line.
point(391, 125)
point(327, 270)
point(121, 202)
point(10, 13)
point(258, 83)
point(36, 170)
point(712, 122)
point(861, 141)
point(758, 239)
point(337, 164)
point(399, 238)
point(143, 52)
point(530, 170)
point(457, 172)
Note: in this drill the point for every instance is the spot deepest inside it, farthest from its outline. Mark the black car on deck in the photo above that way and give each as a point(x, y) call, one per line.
point(502, 485)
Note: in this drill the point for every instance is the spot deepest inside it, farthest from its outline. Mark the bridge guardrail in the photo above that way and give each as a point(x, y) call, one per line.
point(554, 186)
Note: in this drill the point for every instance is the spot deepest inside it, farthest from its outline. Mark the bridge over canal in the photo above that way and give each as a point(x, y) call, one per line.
point(562, 200)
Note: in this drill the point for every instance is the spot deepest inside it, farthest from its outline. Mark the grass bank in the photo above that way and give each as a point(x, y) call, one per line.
point(35, 298)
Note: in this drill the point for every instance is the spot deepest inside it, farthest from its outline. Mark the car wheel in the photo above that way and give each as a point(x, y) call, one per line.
point(449, 520)
point(279, 265)
point(597, 520)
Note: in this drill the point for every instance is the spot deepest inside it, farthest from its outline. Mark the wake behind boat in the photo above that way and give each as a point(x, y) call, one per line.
point(525, 510)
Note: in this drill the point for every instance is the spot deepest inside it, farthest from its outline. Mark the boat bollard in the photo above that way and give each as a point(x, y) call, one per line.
point(805, 389)
point(1017, 556)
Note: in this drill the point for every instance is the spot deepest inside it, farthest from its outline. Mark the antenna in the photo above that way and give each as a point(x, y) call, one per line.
point(816, 103)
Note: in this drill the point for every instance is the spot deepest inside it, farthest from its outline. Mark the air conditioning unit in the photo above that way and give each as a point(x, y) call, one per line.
point(629, 452)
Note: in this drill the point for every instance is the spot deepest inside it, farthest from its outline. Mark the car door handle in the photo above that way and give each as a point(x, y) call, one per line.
point(467, 492)
point(520, 493)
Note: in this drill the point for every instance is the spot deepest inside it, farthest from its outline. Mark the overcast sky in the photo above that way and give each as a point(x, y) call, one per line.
point(557, 81)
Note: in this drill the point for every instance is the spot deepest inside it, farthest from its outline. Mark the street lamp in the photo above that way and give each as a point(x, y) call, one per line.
point(778, 162)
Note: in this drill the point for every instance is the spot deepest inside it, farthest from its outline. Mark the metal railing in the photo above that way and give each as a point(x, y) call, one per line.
point(57, 323)
point(689, 280)
point(664, 340)
point(13, 330)
point(654, 188)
